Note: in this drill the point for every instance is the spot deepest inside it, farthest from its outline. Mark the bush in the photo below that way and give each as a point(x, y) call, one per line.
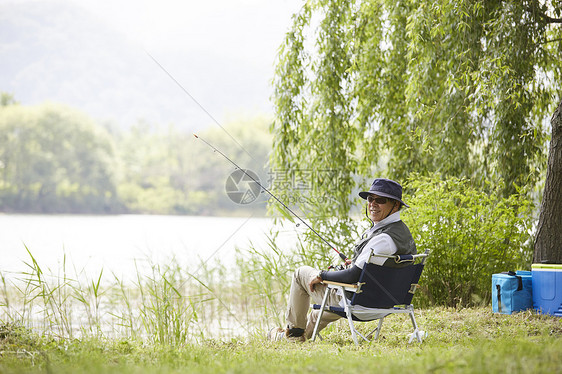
point(471, 234)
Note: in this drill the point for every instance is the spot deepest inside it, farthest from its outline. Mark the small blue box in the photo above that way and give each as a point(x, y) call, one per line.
point(547, 288)
point(512, 292)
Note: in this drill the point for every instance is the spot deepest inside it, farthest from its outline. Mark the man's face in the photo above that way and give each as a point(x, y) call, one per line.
point(379, 207)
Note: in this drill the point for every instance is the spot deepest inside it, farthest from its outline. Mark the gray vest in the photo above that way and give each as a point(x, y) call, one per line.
point(399, 233)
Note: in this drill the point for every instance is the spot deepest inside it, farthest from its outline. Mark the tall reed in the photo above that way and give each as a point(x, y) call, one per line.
point(157, 307)
point(168, 303)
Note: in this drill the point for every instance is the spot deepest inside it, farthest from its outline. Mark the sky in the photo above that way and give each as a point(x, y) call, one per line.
point(154, 24)
point(221, 51)
point(246, 31)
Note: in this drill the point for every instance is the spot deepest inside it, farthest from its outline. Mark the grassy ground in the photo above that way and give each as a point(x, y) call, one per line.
point(465, 341)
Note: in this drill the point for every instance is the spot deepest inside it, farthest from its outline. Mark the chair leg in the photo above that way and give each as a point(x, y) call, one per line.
point(379, 328)
point(322, 306)
point(350, 319)
point(417, 334)
point(351, 327)
point(376, 329)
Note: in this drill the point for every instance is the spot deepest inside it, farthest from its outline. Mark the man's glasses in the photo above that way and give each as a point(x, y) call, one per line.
point(378, 200)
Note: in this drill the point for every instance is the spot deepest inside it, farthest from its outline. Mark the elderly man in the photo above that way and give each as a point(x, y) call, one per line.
point(388, 236)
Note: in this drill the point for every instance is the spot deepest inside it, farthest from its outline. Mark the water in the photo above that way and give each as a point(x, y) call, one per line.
point(122, 245)
point(115, 243)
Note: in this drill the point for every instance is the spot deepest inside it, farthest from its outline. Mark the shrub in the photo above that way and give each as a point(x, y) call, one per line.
point(471, 234)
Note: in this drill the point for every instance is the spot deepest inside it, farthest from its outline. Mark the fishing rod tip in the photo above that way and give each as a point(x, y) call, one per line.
point(196, 136)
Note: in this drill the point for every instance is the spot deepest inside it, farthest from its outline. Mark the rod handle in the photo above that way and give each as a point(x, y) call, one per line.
point(342, 256)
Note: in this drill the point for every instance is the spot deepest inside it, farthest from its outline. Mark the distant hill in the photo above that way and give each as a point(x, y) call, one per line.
point(57, 51)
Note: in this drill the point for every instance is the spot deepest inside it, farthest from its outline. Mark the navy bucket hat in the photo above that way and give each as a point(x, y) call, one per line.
point(385, 188)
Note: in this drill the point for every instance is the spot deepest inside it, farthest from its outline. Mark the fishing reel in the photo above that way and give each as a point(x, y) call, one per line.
point(337, 267)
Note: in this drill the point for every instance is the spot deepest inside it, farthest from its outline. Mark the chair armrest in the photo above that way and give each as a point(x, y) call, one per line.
point(397, 256)
point(353, 287)
point(403, 258)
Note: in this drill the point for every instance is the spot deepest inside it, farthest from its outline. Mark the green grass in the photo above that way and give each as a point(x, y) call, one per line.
point(169, 320)
point(465, 341)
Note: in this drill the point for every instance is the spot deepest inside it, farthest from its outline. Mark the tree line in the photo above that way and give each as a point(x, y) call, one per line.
point(56, 159)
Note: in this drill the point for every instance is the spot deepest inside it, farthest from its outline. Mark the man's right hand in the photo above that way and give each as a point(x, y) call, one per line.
point(316, 280)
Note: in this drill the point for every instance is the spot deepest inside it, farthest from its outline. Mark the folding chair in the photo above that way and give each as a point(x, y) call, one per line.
point(381, 291)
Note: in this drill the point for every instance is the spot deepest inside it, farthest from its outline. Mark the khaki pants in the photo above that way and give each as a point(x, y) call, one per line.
point(299, 302)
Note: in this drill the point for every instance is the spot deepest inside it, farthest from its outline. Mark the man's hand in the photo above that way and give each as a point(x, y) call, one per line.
point(316, 280)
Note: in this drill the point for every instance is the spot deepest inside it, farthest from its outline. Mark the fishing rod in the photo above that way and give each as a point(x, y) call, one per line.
point(342, 256)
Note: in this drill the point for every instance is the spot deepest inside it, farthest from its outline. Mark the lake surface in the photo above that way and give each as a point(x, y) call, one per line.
point(117, 243)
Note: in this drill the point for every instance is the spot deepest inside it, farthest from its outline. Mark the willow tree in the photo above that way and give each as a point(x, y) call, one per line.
point(463, 88)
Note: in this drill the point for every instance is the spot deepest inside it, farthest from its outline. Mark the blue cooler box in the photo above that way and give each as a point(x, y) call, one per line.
point(547, 288)
point(512, 292)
